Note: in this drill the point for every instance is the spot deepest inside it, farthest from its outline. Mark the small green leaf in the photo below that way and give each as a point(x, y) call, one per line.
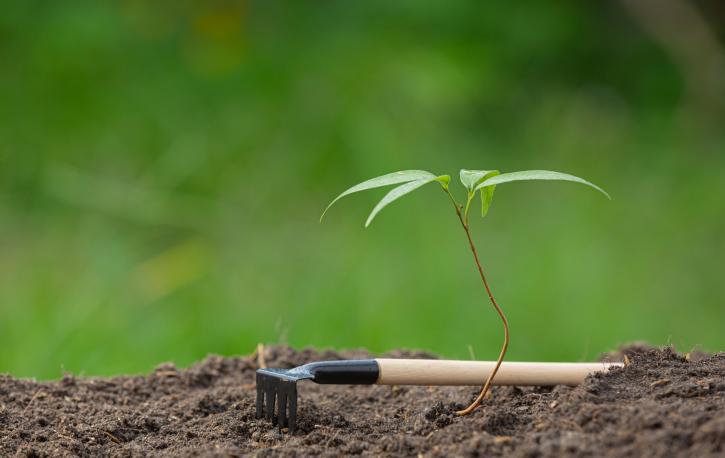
point(384, 180)
point(486, 199)
point(471, 178)
point(400, 191)
point(536, 175)
point(444, 180)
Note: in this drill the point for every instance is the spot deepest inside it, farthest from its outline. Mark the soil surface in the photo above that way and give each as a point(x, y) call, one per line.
point(660, 404)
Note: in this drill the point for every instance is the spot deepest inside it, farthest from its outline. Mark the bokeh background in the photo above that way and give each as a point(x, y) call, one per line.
point(163, 166)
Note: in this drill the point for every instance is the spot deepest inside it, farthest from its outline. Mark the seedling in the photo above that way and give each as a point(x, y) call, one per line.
point(482, 182)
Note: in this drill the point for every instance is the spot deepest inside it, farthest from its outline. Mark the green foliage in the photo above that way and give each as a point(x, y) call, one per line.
point(402, 190)
point(403, 176)
point(536, 175)
point(484, 181)
point(486, 199)
point(471, 179)
point(413, 180)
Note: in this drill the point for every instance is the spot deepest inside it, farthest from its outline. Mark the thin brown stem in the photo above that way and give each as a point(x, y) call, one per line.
point(487, 384)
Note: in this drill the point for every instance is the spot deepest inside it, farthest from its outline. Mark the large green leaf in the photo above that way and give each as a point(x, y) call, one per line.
point(403, 176)
point(400, 191)
point(536, 175)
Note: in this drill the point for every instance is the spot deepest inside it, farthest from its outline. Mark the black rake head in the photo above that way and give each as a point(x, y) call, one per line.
point(278, 387)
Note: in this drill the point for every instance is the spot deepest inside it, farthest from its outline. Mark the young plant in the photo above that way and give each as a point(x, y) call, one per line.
point(482, 182)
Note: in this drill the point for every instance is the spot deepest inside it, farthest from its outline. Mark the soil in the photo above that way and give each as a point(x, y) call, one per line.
point(660, 404)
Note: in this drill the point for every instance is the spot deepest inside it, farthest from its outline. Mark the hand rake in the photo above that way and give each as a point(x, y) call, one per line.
point(278, 387)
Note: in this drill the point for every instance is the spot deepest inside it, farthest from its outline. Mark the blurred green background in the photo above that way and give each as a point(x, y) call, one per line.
point(163, 166)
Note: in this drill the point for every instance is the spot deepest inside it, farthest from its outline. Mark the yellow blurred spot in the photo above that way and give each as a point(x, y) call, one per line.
point(172, 269)
point(220, 26)
point(216, 43)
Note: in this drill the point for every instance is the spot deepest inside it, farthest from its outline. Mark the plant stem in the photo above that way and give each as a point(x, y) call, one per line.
point(468, 204)
point(464, 223)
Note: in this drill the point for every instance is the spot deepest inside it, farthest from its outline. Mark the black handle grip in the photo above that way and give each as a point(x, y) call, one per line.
point(346, 372)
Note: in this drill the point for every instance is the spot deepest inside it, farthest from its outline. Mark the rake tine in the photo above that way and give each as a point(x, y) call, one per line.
point(260, 395)
point(293, 408)
point(270, 398)
point(282, 404)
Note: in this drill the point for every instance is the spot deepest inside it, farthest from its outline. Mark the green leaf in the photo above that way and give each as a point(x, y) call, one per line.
point(471, 178)
point(486, 199)
point(444, 180)
point(384, 180)
point(536, 175)
point(400, 191)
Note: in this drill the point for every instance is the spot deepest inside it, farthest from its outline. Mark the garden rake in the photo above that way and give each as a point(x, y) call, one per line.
point(278, 387)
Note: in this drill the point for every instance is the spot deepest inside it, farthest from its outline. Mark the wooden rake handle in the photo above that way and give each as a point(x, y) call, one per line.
point(471, 373)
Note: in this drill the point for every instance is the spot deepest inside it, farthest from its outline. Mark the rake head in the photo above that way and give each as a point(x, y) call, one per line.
point(277, 388)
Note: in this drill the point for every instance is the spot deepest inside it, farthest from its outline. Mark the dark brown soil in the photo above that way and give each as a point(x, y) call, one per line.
point(661, 404)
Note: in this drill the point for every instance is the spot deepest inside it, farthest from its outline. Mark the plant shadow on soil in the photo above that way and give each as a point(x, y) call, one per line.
point(660, 404)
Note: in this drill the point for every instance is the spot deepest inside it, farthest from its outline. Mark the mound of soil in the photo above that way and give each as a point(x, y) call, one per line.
point(660, 404)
